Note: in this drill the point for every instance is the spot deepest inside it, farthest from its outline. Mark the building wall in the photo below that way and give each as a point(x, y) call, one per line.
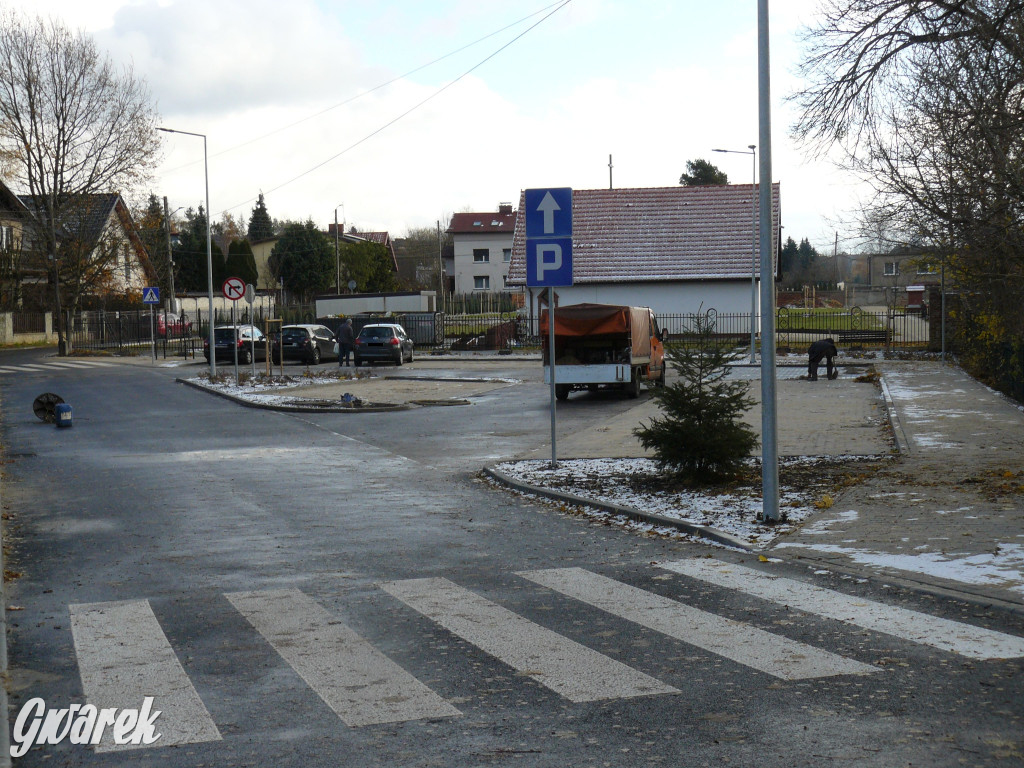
point(261, 254)
point(466, 269)
point(675, 298)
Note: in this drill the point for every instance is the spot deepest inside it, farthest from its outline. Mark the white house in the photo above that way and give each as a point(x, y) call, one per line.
point(675, 249)
point(482, 244)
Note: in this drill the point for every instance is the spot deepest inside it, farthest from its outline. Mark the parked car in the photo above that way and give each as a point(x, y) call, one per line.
point(167, 324)
point(309, 343)
point(248, 339)
point(383, 341)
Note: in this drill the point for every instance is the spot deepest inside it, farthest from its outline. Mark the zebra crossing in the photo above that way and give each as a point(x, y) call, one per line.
point(124, 654)
point(58, 365)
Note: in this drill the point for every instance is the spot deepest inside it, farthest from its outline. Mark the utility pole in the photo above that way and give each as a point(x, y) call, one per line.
point(610, 172)
point(170, 254)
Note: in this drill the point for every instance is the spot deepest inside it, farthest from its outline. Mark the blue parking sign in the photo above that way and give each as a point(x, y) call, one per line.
point(548, 237)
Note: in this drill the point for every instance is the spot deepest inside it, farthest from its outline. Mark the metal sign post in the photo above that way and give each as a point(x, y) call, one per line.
point(551, 360)
point(234, 289)
point(151, 296)
point(548, 217)
point(250, 297)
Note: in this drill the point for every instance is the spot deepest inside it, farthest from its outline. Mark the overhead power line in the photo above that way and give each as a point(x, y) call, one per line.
point(409, 111)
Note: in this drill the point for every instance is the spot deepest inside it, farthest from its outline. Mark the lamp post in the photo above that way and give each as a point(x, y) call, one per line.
point(753, 246)
point(209, 246)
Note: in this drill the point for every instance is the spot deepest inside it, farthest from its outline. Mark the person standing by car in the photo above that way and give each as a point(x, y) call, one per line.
point(346, 342)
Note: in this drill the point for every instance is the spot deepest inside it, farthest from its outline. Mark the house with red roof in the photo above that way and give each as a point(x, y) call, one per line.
point(674, 249)
point(482, 249)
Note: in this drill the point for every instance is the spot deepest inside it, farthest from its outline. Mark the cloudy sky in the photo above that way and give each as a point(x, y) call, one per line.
point(398, 113)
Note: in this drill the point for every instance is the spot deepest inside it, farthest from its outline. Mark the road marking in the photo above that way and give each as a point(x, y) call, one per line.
point(752, 647)
point(124, 656)
point(572, 670)
point(361, 685)
point(955, 636)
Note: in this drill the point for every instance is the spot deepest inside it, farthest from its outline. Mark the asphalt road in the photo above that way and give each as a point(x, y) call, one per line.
point(343, 589)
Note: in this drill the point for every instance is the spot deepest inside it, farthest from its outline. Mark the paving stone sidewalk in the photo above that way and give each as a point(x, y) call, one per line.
point(950, 513)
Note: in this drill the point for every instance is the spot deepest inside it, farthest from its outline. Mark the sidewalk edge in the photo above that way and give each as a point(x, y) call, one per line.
point(712, 534)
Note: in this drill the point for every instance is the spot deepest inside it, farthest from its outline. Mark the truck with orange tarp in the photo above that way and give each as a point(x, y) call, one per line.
point(604, 345)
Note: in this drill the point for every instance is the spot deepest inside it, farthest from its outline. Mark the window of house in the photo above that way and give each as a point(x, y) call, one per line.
point(892, 268)
point(926, 269)
point(506, 255)
point(481, 283)
point(127, 266)
point(481, 255)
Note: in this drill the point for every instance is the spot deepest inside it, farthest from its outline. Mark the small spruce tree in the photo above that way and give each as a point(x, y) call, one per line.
point(699, 437)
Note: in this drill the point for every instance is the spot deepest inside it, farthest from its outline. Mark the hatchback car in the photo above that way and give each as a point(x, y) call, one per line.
point(167, 324)
point(383, 341)
point(308, 343)
point(247, 339)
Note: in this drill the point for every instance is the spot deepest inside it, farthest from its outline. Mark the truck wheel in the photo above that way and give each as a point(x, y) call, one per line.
point(633, 388)
point(562, 391)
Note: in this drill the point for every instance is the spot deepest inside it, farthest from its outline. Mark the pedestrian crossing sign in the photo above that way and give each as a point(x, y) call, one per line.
point(151, 295)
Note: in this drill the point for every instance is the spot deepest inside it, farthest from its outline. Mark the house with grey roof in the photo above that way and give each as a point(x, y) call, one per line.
point(98, 241)
point(674, 249)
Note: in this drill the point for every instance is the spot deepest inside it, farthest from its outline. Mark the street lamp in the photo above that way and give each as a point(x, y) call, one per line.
point(209, 247)
point(753, 247)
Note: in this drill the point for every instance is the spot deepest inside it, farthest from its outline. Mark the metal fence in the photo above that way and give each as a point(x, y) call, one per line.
point(126, 332)
point(28, 322)
point(795, 328)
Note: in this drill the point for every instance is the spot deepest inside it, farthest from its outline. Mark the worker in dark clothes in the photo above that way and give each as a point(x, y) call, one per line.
point(822, 348)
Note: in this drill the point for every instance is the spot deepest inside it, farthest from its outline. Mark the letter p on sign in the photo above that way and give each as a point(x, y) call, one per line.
point(549, 258)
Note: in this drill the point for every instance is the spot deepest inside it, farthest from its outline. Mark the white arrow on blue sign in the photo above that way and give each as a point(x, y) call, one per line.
point(549, 237)
point(151, 295)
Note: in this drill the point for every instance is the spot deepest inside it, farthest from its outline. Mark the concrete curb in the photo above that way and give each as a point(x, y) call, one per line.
point(902, 442)
point(712, 534)
point(295, 408)
point(905, 580)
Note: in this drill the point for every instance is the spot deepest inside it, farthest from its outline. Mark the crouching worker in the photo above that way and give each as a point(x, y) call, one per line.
point(823, 348)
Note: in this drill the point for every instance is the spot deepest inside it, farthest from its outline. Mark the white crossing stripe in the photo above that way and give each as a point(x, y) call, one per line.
point(30, 367)
point(82, 364)
point(752, 647)
point(360, 684)
point(124, 656)
point(572, 670)
point(964, 639)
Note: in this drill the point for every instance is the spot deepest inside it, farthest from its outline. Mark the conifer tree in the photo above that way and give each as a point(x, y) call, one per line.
point(241, 262)
point(260, 225)
point(699, 437)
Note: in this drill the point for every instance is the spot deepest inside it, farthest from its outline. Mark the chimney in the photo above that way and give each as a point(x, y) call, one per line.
point(504, 207)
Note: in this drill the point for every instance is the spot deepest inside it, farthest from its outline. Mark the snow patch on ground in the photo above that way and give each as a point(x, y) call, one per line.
point(1001, 568)
point(733, 512)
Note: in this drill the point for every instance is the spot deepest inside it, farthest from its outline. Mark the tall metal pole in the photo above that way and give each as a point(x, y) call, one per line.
point(209, 245)
point(769, 431)
point(209, 264)
point(337, 255)
point(753, 253)
point(440, 267)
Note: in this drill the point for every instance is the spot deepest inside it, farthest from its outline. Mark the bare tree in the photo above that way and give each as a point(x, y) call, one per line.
point(925, 100)
point(72, 125)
